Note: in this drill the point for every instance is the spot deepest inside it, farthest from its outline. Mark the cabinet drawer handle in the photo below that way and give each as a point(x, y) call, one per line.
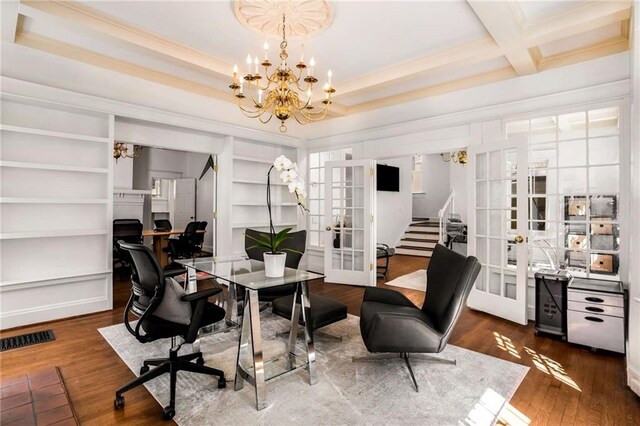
point(594, 319)
point(594, 309)
point(594, 299)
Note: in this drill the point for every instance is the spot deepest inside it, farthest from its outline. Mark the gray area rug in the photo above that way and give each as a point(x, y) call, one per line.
point(472, 392)
point(415, 280)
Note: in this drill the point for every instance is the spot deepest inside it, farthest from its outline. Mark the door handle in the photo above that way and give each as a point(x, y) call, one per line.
point(519, 239)
point(594, 309)
point(328, 228)
point(594, 299)
point(594, 319)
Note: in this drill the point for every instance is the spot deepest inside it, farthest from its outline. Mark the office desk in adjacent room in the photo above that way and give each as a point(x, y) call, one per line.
point(160, 242)
point(250, 274)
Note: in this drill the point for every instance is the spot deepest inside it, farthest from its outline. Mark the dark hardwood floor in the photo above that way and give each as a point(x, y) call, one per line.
point(566, 384)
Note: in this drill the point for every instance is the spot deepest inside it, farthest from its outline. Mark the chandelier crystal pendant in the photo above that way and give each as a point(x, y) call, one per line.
point(282, 94)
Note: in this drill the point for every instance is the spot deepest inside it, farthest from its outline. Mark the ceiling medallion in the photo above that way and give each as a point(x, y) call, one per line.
point(305, 18)
point(283, 92)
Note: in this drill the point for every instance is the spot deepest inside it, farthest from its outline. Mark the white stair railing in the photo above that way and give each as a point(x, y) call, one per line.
point(447, 209)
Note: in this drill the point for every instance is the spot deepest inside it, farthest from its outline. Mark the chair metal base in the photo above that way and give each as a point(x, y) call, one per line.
point(170, 365)
point(405, 357)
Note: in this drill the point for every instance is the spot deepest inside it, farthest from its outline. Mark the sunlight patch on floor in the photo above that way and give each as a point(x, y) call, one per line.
point(510, 415)
point(506, 344)
point(486, 410)
point(551, 367)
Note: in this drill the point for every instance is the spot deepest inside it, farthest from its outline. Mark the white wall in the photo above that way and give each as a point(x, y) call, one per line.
point(123, 172)
point(435, 185)
point(633, 348)
point(458, 183)
point(393, 209)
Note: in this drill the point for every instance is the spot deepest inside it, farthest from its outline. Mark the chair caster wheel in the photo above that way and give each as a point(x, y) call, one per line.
point(168, 413)
point(118, 403)
point(200, 361)
point(144, 369)
point(222, 383)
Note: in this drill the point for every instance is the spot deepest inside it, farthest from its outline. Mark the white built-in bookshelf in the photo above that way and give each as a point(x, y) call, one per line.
point(55, 207)
point(251, 162)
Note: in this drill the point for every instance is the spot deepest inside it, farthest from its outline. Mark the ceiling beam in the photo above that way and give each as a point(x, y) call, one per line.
point(103, 23)
point(504, 21)
point(438, 89)
point(604, 48)
point(9, 20)
point(56, 47)
point(575, 21)
point(461, 55)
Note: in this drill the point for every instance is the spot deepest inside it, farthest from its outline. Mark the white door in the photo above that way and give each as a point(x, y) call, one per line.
point(350, 236)
point(498, 228)
point(185, 202)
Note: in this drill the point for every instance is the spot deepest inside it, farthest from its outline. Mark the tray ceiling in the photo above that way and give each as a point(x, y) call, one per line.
point(381, 53)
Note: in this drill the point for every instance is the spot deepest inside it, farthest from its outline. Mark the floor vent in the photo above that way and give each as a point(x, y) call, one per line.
point(28, 339)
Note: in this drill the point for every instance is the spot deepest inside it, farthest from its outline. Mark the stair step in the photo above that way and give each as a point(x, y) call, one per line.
point(430, 229)
point(416, 242)
point(414, 251)
point(425, 236)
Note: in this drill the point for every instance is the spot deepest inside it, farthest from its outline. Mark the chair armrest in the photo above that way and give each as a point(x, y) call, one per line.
point(384, 295)
point(171, 273)
point(203, 294)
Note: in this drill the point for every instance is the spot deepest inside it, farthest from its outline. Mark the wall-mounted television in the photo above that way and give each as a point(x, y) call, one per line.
point(388, 178)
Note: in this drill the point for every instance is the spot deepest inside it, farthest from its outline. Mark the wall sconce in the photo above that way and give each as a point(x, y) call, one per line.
point(120, 150)
point(455, 156)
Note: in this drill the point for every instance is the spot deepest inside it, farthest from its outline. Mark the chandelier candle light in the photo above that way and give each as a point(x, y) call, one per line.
point(275, 257)
point(283, 93)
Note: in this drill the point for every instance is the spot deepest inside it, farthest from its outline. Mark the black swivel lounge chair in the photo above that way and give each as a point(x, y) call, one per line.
point(391, 323)
point(166, 311)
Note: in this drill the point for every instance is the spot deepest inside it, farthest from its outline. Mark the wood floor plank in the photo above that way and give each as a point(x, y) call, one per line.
point(92, 370)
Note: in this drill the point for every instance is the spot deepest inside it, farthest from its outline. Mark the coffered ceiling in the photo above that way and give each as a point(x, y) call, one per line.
point(381, 53)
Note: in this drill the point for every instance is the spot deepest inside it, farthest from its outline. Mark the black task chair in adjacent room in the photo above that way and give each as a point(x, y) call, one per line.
point(162, 225)
point(183, 247)
point(297, 242)
point(164, 311)
point(198, 239)
point(391, 323)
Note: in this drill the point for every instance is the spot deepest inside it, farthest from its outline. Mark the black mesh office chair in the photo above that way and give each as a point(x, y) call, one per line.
point(389, 322)
point(165, 311)
point(297, 242)
point(129, 231)
point(183, 247)
point(198, 240)
point(162, 225)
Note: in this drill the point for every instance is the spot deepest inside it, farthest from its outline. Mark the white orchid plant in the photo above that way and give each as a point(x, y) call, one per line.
point(290, 175)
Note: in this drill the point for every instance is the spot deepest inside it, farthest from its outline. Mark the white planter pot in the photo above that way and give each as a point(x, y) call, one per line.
point(274, 264)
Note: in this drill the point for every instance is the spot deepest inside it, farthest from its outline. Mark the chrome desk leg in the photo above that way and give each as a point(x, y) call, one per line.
point(251, 320)
point(295, 317)
point(308, 333)
point(232, 305)
point(191, 286)
point(192, 281)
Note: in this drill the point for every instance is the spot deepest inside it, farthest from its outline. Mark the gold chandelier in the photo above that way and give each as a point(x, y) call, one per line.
point(282, 93)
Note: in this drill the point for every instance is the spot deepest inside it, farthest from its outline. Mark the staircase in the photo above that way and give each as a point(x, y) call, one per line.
point(420, 238)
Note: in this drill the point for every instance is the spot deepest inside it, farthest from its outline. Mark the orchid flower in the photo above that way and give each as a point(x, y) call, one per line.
point(282, 163)
point(289, 175)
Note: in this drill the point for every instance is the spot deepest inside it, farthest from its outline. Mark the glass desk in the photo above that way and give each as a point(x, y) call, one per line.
point(250, 275)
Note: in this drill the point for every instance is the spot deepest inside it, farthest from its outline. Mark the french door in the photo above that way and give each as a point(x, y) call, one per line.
point(350, 237)
point(498, 228)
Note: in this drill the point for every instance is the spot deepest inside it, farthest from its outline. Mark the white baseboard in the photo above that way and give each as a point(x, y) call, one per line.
point(53, 312)
point(633, 380)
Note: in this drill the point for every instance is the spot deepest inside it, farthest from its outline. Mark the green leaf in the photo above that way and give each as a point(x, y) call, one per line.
point(293, 251)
